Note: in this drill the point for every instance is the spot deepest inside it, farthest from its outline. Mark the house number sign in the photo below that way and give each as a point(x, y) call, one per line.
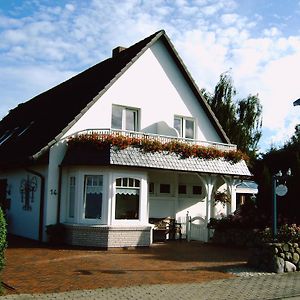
point(281, 190)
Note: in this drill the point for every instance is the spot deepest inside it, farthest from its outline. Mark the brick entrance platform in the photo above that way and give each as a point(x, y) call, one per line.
point(32, 267)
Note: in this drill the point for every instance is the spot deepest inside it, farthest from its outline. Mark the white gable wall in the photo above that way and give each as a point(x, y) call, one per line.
point(155, 86)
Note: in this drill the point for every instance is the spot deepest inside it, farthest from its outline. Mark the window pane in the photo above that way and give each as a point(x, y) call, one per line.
point(116, 117)
point(189, 129)
point(93, 196)
point(182, 189)
point(119, 182)
point(131, 182)
point(151, 188)
point(165, 189)
point(197, 189)
point(131, 119)
point(178, 125)
point(127, 201)
point(72, 197)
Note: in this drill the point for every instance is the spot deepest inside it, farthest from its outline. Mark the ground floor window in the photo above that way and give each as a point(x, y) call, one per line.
point(127, 198)
point(93, 191)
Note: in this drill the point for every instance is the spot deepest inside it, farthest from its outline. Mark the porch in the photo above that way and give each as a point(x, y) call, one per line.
point(111, 185)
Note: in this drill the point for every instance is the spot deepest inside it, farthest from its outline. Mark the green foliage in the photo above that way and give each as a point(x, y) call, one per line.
point(184, 150)
point(3, 242)
point(246, 217)
point(269, 164)
point(286, 234)
point(240, 119)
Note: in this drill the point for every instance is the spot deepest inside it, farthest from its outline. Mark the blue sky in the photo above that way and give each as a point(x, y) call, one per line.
point(44, 42)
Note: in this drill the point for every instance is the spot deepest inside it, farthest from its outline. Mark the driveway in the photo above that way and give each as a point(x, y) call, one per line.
point(32, 267)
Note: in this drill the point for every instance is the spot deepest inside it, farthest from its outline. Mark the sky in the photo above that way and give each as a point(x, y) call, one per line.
point(44, 42)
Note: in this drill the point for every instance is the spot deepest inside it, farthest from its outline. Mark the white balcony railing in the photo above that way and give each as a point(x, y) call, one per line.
point(158, 137)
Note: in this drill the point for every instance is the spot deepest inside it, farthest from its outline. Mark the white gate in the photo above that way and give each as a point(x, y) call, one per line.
point(196, 229)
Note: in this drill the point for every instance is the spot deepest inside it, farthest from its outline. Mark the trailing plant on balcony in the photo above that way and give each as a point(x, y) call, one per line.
point(222, 198)
point(184, 150)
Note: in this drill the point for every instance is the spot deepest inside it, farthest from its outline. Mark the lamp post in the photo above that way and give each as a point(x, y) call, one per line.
point(297, 102)
point(278, 190)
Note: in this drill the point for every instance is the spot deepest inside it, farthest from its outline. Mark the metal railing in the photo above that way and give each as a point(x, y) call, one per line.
point(157, 137)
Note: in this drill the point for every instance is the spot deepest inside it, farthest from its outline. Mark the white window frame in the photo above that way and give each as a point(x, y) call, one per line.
point(124, 110)
point(94, 220)
point(143, 213)
point(127, 187)
point(79, 214)
point(170, 194)
point(183, 120)
point(69, 196)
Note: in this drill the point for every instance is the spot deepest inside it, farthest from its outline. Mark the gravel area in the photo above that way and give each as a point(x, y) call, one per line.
point(244, 271)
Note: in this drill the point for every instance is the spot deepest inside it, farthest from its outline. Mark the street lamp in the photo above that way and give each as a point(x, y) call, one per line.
point(278, 190)
point(297, 102)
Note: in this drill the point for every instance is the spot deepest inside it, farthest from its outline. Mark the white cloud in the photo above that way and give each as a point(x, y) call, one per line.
point(271, 32)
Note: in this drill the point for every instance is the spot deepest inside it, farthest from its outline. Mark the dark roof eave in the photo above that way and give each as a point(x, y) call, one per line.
point(196, 90)
point(100, 94)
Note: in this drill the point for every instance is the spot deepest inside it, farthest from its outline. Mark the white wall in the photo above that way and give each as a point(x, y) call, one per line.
point(56, 155)
point(23, 222)
point(155, 85)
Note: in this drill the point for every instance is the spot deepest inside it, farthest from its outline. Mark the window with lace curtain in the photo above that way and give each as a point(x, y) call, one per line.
point(127, 198)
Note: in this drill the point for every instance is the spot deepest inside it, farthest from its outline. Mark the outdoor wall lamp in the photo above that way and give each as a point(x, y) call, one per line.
point(278, 190)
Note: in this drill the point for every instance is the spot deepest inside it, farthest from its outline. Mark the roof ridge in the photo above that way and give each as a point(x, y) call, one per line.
point(152, 39)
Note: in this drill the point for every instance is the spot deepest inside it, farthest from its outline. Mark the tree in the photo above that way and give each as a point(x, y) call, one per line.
point(240, 119)
point(288, 156)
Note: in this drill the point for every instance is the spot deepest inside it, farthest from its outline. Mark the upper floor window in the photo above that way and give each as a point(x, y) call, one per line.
point(185, 127)
point(124, 118)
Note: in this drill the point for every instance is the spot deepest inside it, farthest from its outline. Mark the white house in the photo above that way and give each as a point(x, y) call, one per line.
point(57, 164)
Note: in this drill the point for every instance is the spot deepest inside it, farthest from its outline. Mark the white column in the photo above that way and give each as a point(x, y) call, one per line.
point(231, 188)
point(208, 182)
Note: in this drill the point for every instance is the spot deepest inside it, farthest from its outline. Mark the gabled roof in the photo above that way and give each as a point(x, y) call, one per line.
point(32, 127)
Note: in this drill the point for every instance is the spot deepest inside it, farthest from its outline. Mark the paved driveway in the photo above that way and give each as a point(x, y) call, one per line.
point(38, 268)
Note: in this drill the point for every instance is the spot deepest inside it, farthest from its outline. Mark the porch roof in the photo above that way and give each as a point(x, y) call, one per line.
point(134, 157)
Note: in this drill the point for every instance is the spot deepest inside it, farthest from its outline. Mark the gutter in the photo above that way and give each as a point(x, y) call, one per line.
point(59, 195)
point(42, 202)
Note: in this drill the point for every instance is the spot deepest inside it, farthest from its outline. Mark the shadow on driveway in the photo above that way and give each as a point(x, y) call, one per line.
point(33, 267)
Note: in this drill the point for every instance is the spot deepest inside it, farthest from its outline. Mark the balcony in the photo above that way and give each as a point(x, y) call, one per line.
point(157, 137)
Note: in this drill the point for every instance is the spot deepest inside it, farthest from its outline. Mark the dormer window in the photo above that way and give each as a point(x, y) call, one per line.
point(185, 127)
point(124, 118)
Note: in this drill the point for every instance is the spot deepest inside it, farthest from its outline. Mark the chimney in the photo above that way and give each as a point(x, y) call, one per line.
point(117, 50)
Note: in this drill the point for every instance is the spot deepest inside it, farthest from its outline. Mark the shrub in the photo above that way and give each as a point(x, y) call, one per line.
point(246, 217)
point(286, 234)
